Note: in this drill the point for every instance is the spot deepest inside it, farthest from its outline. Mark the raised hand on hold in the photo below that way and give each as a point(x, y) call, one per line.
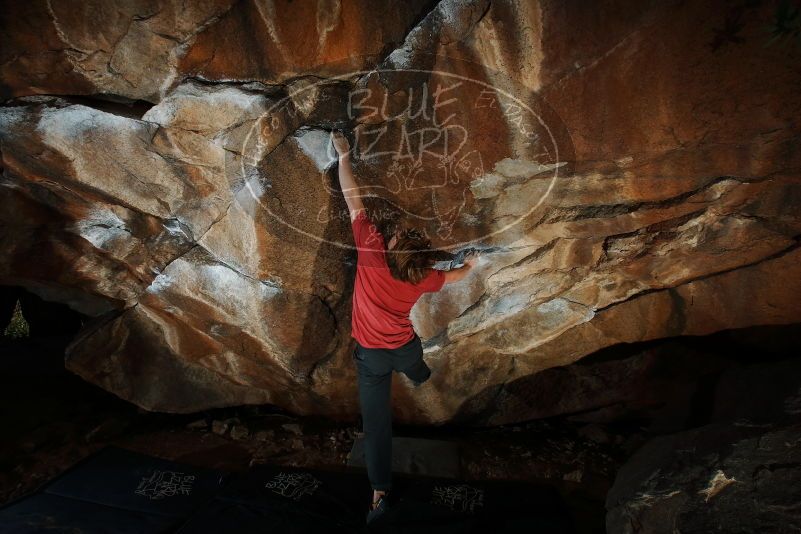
point(340, 143)
point(472, 258)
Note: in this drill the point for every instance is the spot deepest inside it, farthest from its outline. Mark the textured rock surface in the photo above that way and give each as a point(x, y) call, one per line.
point(142, 49)
point(715, 478)
point(205, 233)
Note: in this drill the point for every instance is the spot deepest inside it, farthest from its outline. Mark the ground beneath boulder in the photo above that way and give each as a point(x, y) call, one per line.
point(53, 419)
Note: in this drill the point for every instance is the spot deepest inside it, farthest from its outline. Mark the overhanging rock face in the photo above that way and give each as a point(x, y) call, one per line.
point(630, 172)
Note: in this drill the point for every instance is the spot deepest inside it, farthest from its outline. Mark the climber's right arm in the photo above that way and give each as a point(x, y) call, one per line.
point(347, 182)
point(350, 190)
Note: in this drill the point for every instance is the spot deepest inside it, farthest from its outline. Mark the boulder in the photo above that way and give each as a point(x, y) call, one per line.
point(142, 49)
point(628, 168)
point(717, 478)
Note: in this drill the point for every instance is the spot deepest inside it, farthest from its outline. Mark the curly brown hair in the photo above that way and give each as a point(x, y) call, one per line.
point(411, 257)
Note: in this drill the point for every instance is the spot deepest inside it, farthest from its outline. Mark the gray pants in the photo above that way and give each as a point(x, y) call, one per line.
point(375, 368)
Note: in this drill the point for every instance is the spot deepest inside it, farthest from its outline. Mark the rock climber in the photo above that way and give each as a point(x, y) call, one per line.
point(389, 279)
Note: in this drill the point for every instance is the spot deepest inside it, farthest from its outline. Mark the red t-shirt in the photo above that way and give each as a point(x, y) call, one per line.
point(381, 303)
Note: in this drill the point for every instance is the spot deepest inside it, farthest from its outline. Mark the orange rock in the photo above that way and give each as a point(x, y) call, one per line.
point(628, 180)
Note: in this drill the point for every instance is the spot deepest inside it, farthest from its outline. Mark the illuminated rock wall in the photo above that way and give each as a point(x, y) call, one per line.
point(630, 169)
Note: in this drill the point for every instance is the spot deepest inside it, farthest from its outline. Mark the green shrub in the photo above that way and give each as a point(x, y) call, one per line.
point(18, 327)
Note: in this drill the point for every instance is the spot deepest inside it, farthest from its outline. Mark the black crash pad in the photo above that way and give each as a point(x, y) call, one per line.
point(121, 491)
point(287, 500)
point(116, 483)
point(42, 512)
point(449, 506)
